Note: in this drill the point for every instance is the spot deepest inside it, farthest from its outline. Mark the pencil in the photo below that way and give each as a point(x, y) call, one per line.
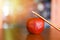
point(50, 23)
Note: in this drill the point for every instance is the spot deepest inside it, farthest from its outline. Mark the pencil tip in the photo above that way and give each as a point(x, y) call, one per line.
point(33, 12)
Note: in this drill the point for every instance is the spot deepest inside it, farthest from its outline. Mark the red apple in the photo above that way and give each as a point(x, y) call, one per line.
point(35, 25)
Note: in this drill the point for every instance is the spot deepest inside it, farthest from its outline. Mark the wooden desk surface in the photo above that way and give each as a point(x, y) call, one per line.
point(21, 33)
point(54, 34)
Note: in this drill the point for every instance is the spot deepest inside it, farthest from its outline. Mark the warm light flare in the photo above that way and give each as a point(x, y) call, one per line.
point(6, 9)
point(11, 7)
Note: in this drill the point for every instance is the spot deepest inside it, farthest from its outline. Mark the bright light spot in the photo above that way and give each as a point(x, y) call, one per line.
point(39, 25)
point(11, 7)
point(6, 9)
point(40, 7)
point(5, 26)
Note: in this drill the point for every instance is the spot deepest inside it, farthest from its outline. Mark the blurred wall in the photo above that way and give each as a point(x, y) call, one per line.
point(55, 18)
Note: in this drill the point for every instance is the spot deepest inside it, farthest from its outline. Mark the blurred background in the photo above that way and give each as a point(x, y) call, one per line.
point(17, 12)
point(43, 8)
